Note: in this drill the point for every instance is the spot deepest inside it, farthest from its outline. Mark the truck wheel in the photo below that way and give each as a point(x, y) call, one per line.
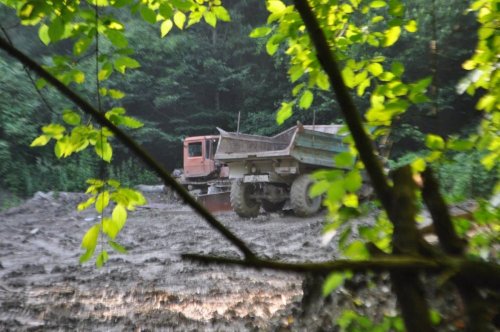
point(301, 203)
point(241, 202)
point(272, 206)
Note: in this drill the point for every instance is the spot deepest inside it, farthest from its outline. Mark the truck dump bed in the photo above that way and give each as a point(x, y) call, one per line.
point(313, 145)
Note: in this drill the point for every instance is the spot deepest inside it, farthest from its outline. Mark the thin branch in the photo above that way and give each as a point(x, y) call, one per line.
point(390, 263)
point(38, 91)
point(481, 274)
point(130, 143)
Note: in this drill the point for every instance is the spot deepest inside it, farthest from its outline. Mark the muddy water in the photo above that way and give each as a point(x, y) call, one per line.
point(42, 286)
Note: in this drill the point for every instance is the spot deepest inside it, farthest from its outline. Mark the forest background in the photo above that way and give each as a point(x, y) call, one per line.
point(201, 78)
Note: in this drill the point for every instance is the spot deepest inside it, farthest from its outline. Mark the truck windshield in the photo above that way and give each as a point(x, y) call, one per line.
point(194, 149)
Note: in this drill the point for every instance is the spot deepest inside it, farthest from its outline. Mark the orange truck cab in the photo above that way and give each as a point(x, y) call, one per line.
point(199, 154)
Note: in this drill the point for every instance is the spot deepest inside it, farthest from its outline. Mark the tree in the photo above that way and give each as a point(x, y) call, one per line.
point(391, 97)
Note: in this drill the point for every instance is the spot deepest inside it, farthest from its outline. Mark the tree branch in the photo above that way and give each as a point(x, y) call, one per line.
point(405, 240)
point(453, 245)
point(130, 143)
point(412, 301)
point(482, 274)
point(349, 111)
point(441, 219)
point(390, 263)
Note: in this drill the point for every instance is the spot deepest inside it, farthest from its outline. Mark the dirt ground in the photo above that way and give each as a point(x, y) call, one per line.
point(43, 286)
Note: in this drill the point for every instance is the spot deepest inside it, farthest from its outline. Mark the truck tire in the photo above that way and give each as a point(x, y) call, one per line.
point(272, 206)
point(241, 202)
point(301, 203)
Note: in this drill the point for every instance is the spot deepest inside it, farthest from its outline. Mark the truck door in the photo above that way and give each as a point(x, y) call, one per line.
point(193, 159)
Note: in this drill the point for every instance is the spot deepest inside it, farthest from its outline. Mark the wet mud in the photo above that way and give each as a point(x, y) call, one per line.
point(44, 288)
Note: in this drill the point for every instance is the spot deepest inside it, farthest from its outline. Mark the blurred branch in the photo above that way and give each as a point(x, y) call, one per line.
point(441, 218)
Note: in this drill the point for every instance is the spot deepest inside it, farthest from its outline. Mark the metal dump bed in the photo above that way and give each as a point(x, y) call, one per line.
point(313, 145)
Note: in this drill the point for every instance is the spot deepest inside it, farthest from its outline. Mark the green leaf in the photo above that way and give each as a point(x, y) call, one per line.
point(119, 248)
point(357, 251)
point(469, 64)
point(165, 27)
point(332, 282)
point(221, 13)
point(86, 256)
point(78, 76)
point(297, 89)
point(348, 76)
point(351, 200)
point(487, 102)
point(179, 19)
point(122, 63)
point(102, 258)
point(344, 160)
point(104, 150)
point(260, 32)
point(54, 130)
point(363, 86)
point(421, 85)
point(392, 36)
point(435, 317)
point(284, 113)
point(40, 83)
point(116, 94)
point(119, 216)
point(114, 183)
point(378, 4)
point(89, 240)
point(210, 18)
point(275, 6)
point(272, 45)
point(375, 68)
point(182, 4)
point(166, 11)
point(148, 14)
point(130, 122)
point(397, 68)
point(306, 99)
point(117, 38)
point(105, 72)
point(322, 81)
point(434, 142)
point(411, 26)
point(81, 45)
point(71, 118)
point(110, 228)
point(295, 73)
point(336, 191)
point(353, 180)
point(40, 141)
point(319, 188)
point(84, 205)
point(43, 34)
point(460, 145)
point(102, 201)
point(418, 165)
point(56, 29)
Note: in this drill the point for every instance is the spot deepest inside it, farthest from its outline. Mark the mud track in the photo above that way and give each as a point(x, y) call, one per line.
point(44, 288)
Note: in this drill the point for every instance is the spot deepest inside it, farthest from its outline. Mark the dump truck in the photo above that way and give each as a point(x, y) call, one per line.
point(202, 175)
point(269, 171)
